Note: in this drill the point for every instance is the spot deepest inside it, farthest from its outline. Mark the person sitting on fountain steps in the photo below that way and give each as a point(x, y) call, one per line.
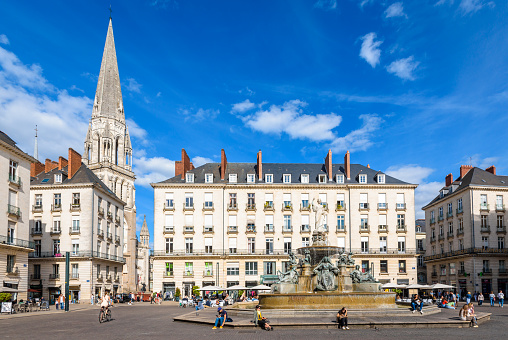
point(416, 303)
point(342, 318)
point(260, 321)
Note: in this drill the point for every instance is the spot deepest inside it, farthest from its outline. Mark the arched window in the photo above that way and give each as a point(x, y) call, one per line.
point(116, 151)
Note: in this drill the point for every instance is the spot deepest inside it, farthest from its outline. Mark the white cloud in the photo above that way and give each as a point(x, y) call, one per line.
point(90, 76)
point(479, 161)
point(242, 107)
point(133, 86)
point(152, 170)
point(15, 71)
point(403, 68)
point(158, 94)
point(360, 139)
point(370, 49)
point(199, 114)
point(198, 161)
point(289, 118)
point(415, 174)
point(326, 4)
point(3, 39)
point(395, 10)
point(247, 91)
point(471, 6)
point(136, 131)
point(365, 2)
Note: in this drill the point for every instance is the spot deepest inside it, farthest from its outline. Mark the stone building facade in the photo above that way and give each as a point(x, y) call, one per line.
point(421, 244)
point(143, 258)
point(466, 232)
point(235, 223)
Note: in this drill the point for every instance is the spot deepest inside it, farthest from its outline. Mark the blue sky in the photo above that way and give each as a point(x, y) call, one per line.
point(413, 88)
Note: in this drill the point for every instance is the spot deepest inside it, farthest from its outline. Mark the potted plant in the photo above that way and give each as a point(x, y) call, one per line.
point(195, 291)
point(177, 294)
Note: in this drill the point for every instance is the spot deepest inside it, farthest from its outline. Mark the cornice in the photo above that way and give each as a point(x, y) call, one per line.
point(243, 186)
point(444, 200)
point(18, 152)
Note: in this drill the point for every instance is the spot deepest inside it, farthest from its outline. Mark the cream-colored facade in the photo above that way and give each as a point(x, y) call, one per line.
point(14, 222)
point(466, 232)
point(421, 243)
point(226, 233)
point(143, 258)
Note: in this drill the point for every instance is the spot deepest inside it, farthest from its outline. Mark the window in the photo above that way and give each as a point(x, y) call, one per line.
point(251, 244)
point(485, 242)
point(432, 216)
point(251, 223)
point(381, 201)
point(56, 247)
point(208, 245)
point(419, 245)
point(251, 178)
point(450, 228)
point(364, 201)
point(500, 243)
point(304, 178)
point(57, 200)
point(440, 212)
point(75, 271)
point(189, 178)
point(251, 268)
point(208, 178)
point(499, 202)
point(269, 201)
point(382, 244)
point(269, 268)
point(287, 245)
point(13, 171)
point(502, 268)
point(322, 178)
point(305, 201)
point(402, 266)
point(58, 178)
point(483, 202)
point(233, 178)
point(362, 178)
point(76, 199)
point(189, 200)
point(208, 268)
point(401, 221)
point(233, 268)
point(189, 245)
point(269, 178)
point(189, 268)
point(486, 266)
point(99, 247)
point(37, 248)
point(382, 223)
point(499, 221)
point(365, 244)
point(323, 199)
point(364, 222)
point(401, 203)
point(340, 222)
point(286, 201)
point(169, 268)
point(305, 242)
point(461, 224)
point(339, 179)
point(286, 178)
point(459, 205)
point(450, 246)
point(56, 270)
point(269, 245)
point(287, 223)
point(484, 221)
point(11, 263)
point(169, 223)
point(232, 200)
point(461, 244)
point(37, 271)
point(383, 266)
point(75, 225)
point(232, 245)
point(169, 245)
point(251, 200)
point(208, 200)
point(381, 178)
point(450, 209)
point(341, 242)
point(75, 247)
point(169, 200)
point(269, 223)
point(38, 200)
point(419, 261)
point(233, 225)
point(208, 227)
point(401, 244)
point(305, 223)
point(443, 269)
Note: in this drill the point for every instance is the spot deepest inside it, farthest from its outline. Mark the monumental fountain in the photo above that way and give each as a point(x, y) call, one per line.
point(314, 281)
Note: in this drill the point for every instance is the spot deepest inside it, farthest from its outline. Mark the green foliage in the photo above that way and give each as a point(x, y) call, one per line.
point(195, 290)
point(240, 292)
point(398, 291)
point(5, 297)
point(177, 292)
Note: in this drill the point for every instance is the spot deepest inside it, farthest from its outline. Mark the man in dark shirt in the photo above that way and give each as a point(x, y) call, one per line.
point(221, 318)
point(416, 303)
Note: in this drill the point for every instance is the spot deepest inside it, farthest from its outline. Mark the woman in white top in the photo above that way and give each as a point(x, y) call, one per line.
point(480, 299)
point(105, 301)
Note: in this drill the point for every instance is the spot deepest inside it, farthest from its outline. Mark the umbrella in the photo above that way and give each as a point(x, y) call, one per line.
point(441, 286)
point(392, 286)
point(426, 287)
point(260, 287)
point(414, 286)
point(211, 288)
point(237, 287)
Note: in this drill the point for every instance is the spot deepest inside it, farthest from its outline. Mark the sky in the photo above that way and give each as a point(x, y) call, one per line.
point(413, 88)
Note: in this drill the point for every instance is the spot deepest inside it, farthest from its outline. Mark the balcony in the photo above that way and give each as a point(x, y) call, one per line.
point(56, 207)
point(37, 208)
point(305, 228)
point(207, 273)
point(287, 206)
point(433, 220)
point(110, 236)
point(108, 278)
point(55, 231)
point(269, 228)
point(440, 237)
point(461, 272)
point(74, 276)
point(449, 214)
point(364, 228)
point(169, 207)
point(117, 239)
point(459, 211)
point(401, 229)
point(188, 206)
point(449, 234)
point(251, 228)
point(35, 277)
point(117, 278)
point(208, 229)
point(341, 206)
point(74, 231)
point(325, 206)
point(382, 229)
point(188, 273)
point(12, 271)
point(460, 232)
point(232, 229)
point(363, 206)
point(340, 229)
point(500, 208)
point(250, 207)
point(100, 233)
point(501, 229)
point(117, 219)
point(75, 207)
point(434, 274)
point(100, 211)
point(400, 207)
point(382, 206)
point(110, 215)
point(433, 239)
point(167, 274)
point(232, 207)
point(503, 271)
point(13, 211)
point(287, 229)
point(36, 232)
point(54, 276)
point(485, 229)
point(484, 207)
point(440, 218)
point(208, 206)
point(487, 271)
point(99, 277)
point(268, 206)
point(305, 207)
point(16, 180)
point(168, 230)
point(188, 229)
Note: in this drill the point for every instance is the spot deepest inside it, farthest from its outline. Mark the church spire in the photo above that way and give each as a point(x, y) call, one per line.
point(108, 96)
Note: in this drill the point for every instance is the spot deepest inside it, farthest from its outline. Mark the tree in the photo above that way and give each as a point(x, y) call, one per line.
point(177, 292)
point(195, 290)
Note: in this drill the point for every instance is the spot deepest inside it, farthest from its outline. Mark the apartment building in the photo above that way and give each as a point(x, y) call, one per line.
point(235, 223)
point(466, 231)
point(14, 235)
point(74, 211)
point(421, 244)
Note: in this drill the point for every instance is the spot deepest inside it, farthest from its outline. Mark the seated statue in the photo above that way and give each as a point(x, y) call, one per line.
point(326, 273)
point(358, 277)
point(291, 276)
point(307, 259)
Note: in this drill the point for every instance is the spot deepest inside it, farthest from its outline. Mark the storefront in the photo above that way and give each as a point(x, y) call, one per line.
point(54, 292)
point(502, 284)
point(74, 293)
point(486, 286)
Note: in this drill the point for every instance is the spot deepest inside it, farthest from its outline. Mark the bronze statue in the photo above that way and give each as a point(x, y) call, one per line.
point(326, 273)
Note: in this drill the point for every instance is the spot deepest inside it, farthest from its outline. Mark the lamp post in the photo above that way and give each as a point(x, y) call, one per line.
point(217, 275)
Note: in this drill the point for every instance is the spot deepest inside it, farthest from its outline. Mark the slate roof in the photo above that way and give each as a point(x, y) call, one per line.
point(7, 140)
point(420, 223)
point(475, 177)
point(278, 170)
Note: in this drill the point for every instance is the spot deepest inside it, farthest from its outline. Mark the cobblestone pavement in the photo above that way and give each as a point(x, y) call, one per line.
point(144, 320)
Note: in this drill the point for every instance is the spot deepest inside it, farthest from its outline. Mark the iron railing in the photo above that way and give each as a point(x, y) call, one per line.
point(17, 242)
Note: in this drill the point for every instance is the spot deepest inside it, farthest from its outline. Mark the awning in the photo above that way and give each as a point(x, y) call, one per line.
point(8, 290)
point(212, 288)
point(31, 290)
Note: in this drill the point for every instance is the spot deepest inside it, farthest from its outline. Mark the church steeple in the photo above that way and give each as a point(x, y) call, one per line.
point(144, 234)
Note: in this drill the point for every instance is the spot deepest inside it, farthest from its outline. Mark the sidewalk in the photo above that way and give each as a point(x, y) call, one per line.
point(52, 310)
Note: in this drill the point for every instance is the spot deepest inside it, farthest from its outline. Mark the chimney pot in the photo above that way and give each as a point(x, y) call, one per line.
point(449, 180)
point(464, 169)
point(259, 166)
point(491, 169)
point(223, 164)
point(347, 166)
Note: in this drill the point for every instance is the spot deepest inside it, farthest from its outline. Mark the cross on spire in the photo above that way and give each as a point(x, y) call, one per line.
point(110, 11)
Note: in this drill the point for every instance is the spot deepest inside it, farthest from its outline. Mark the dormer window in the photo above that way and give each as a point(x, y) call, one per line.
point(381, 178)
point(208, 178)
point(305, 178)
point(233, 178)
point(287, 178)
point(189, 178)
point(269, 178)
point(322, 178)
point(58, 178)
point(362, 178)
point(251, 178)
point(339, 179)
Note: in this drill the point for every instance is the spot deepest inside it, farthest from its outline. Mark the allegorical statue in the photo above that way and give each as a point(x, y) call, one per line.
point(326, 273)
point(307, 259)
point(291, 276)
point(318, 209)
point(358, 277)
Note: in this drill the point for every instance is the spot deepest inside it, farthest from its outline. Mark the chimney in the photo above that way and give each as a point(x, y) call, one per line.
point(49, 165)
point(328, 164)
point(36, 168)
point(74, 163)
point(62, 163)
point(491, 169)
point(181, 167)
point(368, 166)
point(464, 169)
point(347, 166)
point(223, 164)
point(259, 166)
point(449, 180)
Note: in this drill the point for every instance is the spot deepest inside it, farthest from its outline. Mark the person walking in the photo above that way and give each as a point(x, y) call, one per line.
point(57, 302)
point(492, 297)
point(480, 299)
point(468, 297)
point(500, 297)
point(342, 318)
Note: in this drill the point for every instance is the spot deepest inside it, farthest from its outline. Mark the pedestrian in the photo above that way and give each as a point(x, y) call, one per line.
point(472, 315)
point(480, 299)
point(57, 302)
point(468, 297)
point(62, 301)
point(500, 297)
point(91, 299)
point(492, 297)
point(342, 318)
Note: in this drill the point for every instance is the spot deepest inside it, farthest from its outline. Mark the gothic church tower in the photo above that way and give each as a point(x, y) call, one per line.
point(108, 151)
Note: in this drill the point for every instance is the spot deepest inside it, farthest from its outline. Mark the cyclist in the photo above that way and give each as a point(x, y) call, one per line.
point(105, 303)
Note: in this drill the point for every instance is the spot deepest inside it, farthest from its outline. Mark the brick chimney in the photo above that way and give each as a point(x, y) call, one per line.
point(223, 164)
point(36, 168)
point(74, 163)
point(62, 163)
point(347, 165)
point(50, 165)
point(464, 169)
point(259, 166)
point(328, 164)
point(449, 180)
point(181, 167)
point(491, 169)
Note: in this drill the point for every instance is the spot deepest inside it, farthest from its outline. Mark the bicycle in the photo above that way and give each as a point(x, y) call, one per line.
point(104, 316)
